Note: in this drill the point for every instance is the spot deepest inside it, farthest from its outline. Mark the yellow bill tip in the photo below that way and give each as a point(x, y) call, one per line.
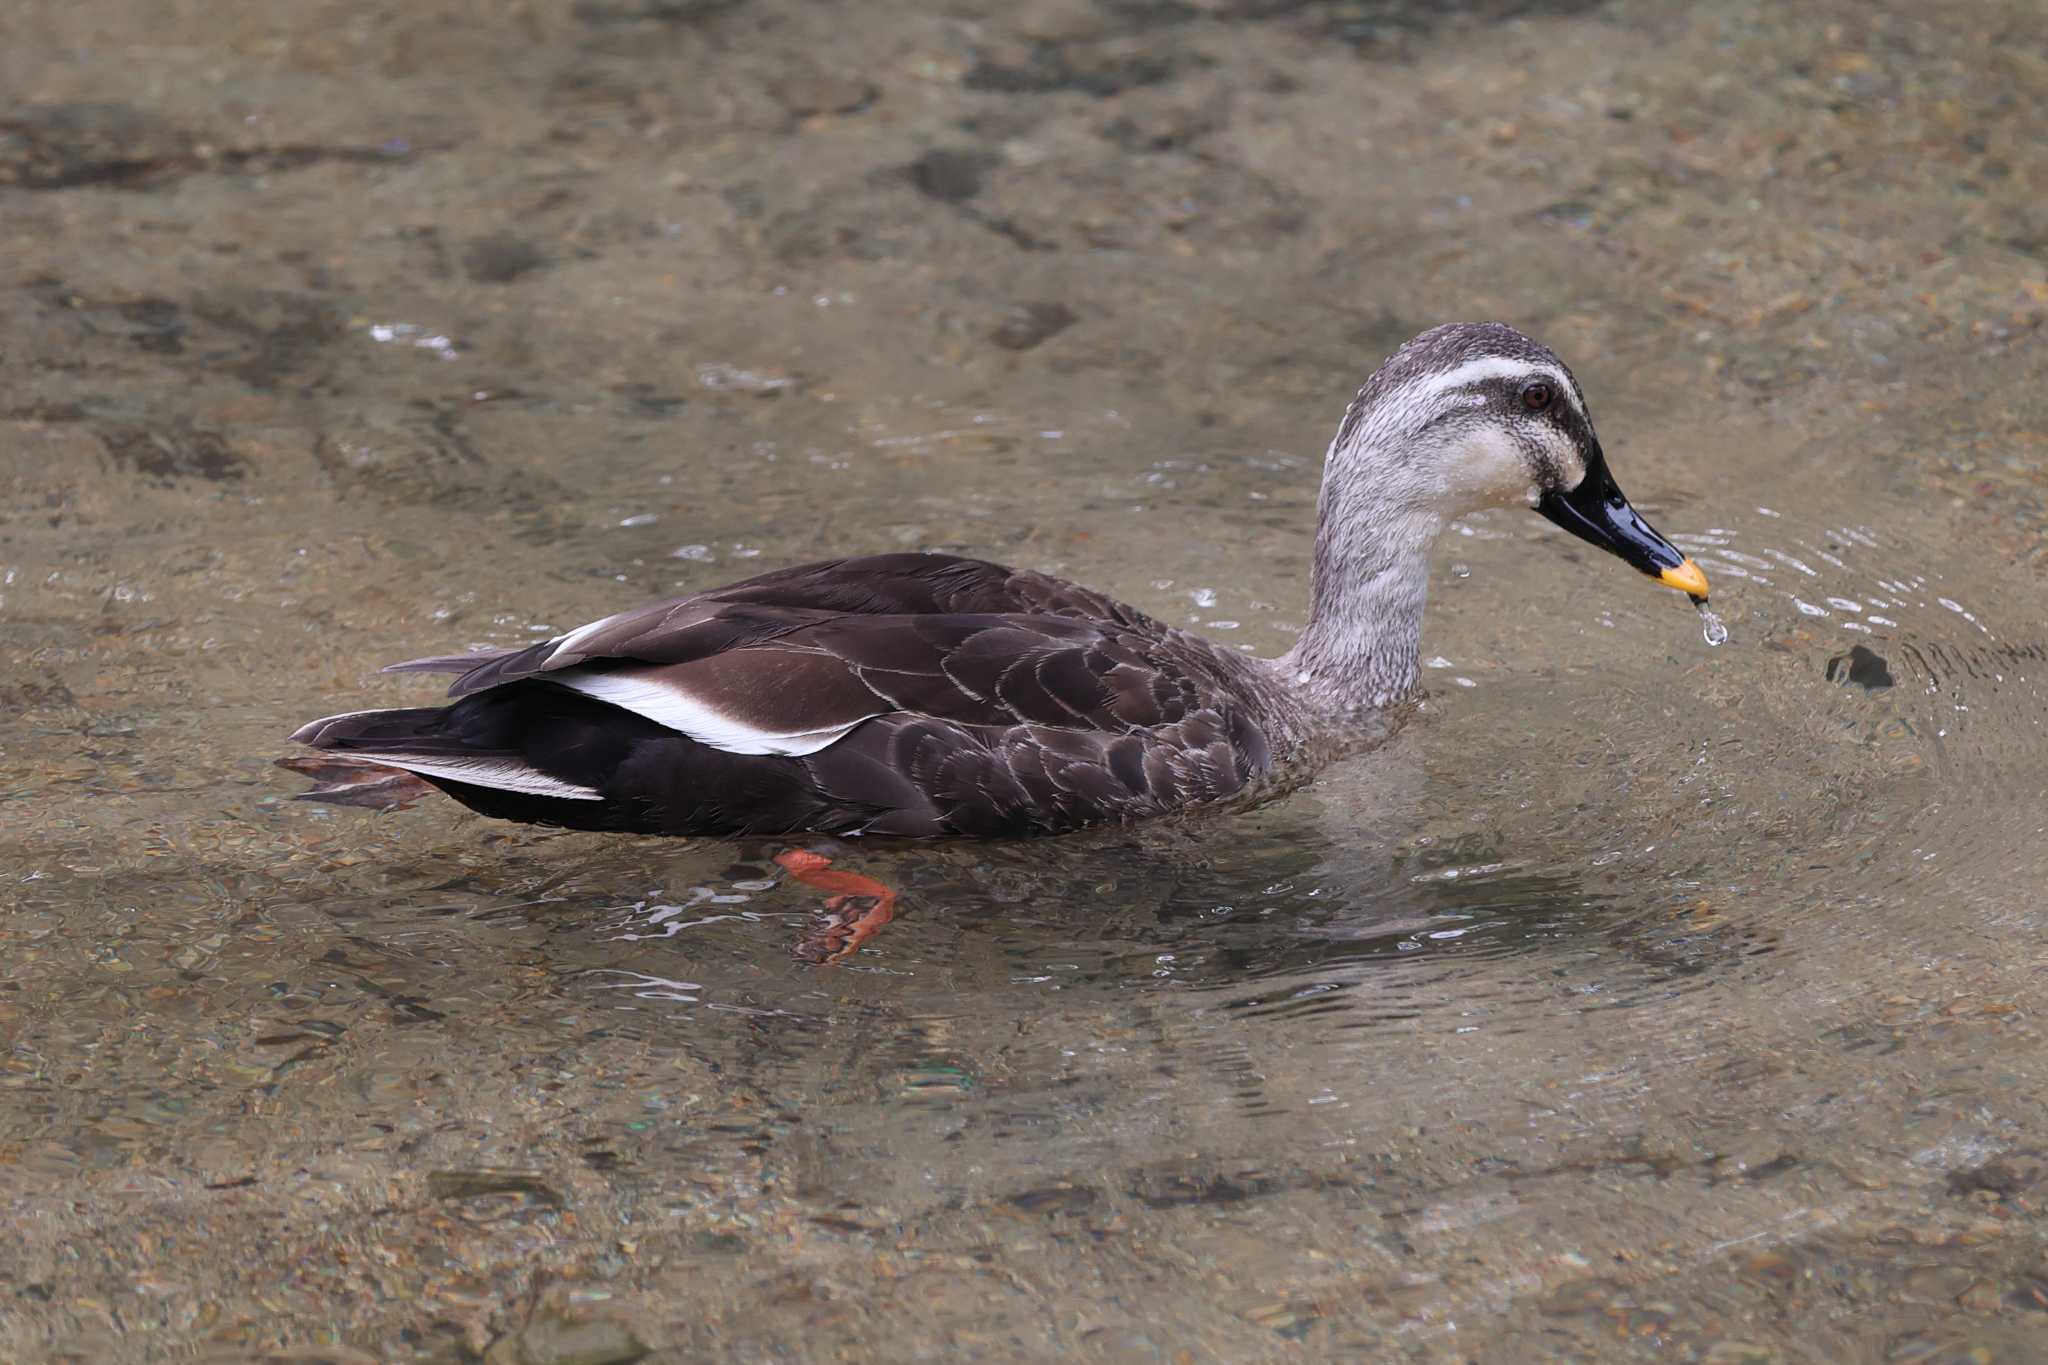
point(1687, 578)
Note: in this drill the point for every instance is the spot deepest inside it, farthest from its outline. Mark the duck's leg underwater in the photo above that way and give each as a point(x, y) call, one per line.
point(854, 913)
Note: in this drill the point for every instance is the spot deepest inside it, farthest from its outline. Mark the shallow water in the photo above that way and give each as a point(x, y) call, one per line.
point(1640, 998)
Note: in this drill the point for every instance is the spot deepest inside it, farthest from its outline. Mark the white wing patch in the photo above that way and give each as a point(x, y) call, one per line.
point(678, 710)
point(504, 774)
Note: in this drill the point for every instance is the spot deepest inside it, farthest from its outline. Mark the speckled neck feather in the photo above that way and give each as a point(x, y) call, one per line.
point(1370, 581)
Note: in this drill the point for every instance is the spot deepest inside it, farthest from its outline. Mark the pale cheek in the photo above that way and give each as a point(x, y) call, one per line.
point(1493, 471)
point(1570, 468)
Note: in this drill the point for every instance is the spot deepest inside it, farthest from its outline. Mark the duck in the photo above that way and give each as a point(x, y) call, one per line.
point(929, 695)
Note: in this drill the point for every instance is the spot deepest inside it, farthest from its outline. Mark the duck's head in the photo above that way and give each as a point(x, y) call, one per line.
point(1473, 415)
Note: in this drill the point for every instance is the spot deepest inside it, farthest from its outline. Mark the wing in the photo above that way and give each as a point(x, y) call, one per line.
point(790, 662)
point(810, 684)
point(761, 610)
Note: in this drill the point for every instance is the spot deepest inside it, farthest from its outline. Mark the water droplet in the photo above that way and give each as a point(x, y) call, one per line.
point(1712, 629)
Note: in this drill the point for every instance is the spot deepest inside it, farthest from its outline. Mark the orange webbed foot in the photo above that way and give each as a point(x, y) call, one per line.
point(854, 913)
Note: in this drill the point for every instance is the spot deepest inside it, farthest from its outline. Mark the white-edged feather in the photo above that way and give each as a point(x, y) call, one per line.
point(665, 704)
point(309, 732)
point(502, 774)
point(567, 644)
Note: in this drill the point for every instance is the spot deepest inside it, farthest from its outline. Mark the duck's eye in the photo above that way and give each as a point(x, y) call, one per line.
point(1536, 396)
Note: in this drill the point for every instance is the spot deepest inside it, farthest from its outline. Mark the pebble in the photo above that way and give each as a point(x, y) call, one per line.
point(552, 1339)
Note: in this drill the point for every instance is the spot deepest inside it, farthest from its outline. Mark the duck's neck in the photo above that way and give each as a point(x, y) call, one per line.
point(1362, 646)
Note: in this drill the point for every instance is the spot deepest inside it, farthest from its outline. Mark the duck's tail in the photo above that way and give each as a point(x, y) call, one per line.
point(390, 758)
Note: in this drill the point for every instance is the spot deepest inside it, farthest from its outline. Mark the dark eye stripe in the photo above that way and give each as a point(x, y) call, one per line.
point(1563, 404)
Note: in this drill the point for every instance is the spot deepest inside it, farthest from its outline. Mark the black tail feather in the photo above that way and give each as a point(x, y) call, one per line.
point(397, 728)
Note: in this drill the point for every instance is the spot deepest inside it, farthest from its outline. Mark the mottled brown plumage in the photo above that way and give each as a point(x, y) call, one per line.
point(962, 698)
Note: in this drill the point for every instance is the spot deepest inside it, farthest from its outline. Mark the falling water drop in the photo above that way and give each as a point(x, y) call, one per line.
point(1713, 630)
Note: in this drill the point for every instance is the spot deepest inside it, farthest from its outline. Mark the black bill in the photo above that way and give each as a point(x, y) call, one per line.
point(1596, 512)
